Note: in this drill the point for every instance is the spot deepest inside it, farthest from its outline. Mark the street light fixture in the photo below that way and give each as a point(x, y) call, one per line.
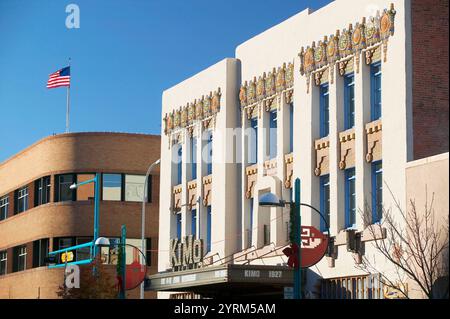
point(272, 200)
point(144, 201)
point(102, 242)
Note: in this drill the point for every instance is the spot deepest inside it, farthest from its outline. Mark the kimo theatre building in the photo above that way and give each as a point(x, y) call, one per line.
point(333, 97)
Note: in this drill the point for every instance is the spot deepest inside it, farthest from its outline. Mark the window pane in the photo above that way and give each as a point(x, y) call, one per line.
point(253, 141)
point(134, 188)
point(4, 205)
point(208, 229)
point(112, 187)
point(194, 223)
point(194, 157)
point(273, 134)
point(209, 153)
point(180, 164)
point(64, 191)
point(21, 258)
point(83, 253)
point(22, 199)
point(3, 262)
point(133, 254)
point(179, 225)
point(349, 101)
point(291, 127)
point(325, 201)
point(377, 191)
point(350, 204)
point(324, 110)
point(375, 84)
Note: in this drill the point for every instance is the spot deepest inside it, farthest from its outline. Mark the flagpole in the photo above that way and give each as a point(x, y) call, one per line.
point(68, 106)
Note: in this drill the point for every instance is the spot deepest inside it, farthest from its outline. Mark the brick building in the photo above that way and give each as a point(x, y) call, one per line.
point(40, 213)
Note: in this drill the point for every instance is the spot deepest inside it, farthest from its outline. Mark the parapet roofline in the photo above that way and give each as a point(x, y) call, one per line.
point(205, 70)
point(61, 135)
point(304, 12)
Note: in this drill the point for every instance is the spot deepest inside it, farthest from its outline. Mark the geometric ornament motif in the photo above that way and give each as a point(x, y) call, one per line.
point(265, 88)
point(353, 41)
point(199, 110)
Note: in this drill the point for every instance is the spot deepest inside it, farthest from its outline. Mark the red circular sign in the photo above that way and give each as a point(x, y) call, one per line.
point(314, 245)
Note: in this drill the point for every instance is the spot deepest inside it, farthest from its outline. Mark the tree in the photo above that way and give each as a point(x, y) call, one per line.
point(100, 285)
point(415, 244)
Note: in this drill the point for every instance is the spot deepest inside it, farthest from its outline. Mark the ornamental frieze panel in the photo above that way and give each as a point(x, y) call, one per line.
point(177, 190)
point(347, 141)
point(322, 147)
point(202, 109)
point(354, 41)
point(207, 188)
point(264, 90)
point(374, 139)
point(288, 169)
point(192, 194)
point(251, 173)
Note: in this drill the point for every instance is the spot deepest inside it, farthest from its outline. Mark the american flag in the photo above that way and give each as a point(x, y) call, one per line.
point(59, 78)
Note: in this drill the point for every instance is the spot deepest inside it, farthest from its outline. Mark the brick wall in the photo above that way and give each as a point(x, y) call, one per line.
point(430, 77)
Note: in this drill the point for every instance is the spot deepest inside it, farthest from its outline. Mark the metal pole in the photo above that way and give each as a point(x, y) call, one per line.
point(123, 240)
point(96, 211)
point(298, 222)
point(68, 107)
point(144, 202)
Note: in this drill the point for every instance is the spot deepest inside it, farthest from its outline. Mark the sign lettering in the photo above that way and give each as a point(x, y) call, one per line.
point(186, 254)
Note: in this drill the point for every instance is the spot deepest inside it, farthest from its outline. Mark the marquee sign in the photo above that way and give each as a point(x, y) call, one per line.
point(186, 254)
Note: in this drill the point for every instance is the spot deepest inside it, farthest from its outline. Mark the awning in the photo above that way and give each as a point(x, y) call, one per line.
point(224, 280)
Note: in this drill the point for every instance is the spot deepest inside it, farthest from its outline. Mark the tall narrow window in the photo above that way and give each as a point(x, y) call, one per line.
point(349, 101)
point(325, 201)
point(208, 229)
point(324, 110)
point(273, 134)
point(20, 258)
point(179, 221)
point(42, 191)
point(180, 165)
point(350, 198)
point(4, 205)
point(253, 141)
point(375, 91)
point(3, 262)
point(194, 157)
point(148, 255)
point(250, 225)
point(21, 197)
point(377, 191)
point(209, 154)
point(40, 251)
point(291, 127)
point(62, 189)
point(194, 223)
point(112, 187)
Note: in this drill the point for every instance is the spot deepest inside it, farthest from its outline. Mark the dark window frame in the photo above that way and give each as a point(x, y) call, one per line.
point(4, 207)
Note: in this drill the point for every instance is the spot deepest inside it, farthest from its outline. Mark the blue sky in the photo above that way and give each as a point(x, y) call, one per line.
point(125, 53)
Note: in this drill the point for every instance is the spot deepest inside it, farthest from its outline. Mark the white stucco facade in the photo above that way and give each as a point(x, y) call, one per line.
point(234, 184)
